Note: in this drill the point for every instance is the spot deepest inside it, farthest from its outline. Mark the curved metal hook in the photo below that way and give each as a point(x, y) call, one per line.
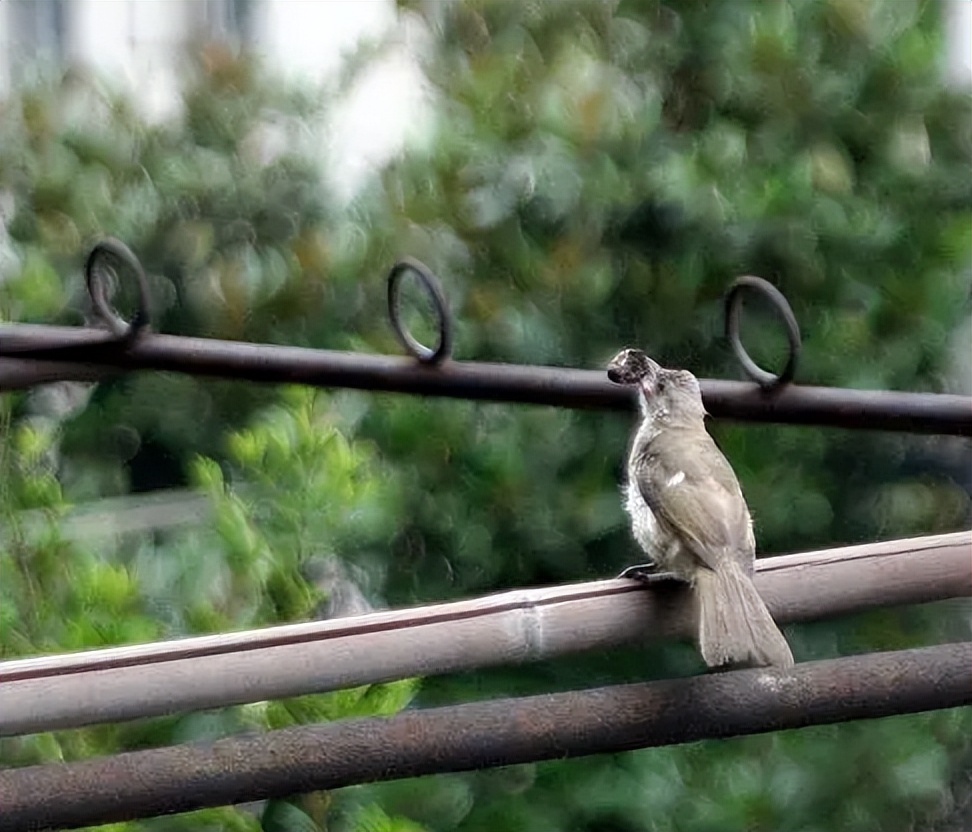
point(763, 378)
point(94, 277)
point(433, 288)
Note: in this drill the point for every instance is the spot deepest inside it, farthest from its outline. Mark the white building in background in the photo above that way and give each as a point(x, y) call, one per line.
point(958, 40)
point(137, 42)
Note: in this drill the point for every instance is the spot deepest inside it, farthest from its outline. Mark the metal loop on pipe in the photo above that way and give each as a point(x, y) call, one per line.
point(433, 289)
point(763, 378)
point(96, 271)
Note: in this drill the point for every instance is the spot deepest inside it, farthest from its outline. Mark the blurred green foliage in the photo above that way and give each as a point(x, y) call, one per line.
point(593, 174)
point(253, 565)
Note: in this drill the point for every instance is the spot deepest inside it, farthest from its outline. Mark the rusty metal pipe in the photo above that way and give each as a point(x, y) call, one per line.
point(46, 693)
point(94, 350)
point(482, 734)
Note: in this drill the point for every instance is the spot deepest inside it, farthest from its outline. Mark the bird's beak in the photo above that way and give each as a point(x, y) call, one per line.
point(632, 367)
point(614, 369)
point(619, 369)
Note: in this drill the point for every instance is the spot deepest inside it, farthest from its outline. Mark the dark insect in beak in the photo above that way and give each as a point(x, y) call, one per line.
point(615, 375)
point(631, 366)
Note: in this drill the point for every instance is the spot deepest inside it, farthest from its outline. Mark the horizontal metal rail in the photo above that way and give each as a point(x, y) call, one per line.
point(481, 734)
point(108, 685)
point(94, 353)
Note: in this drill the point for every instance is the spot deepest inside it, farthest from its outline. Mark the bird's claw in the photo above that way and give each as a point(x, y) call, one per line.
point(646, 573)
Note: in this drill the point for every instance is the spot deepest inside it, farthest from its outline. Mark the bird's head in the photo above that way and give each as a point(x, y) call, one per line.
point(667, 395)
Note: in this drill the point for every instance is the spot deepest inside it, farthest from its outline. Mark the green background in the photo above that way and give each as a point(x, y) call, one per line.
point(590, 175)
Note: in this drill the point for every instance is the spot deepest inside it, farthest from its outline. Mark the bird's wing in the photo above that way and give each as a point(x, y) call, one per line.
point(698, 497)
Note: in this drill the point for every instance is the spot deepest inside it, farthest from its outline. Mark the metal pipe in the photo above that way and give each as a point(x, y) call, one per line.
point(96, 350)
point(482, 734)
point(108, 685)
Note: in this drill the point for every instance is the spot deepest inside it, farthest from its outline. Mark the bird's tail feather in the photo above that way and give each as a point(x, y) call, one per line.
point(735, 628)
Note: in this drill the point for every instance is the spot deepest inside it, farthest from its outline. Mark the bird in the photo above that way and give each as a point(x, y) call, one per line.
point(689, 515)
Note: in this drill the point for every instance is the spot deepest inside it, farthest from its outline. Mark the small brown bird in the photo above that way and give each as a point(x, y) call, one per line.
point(689, 515)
